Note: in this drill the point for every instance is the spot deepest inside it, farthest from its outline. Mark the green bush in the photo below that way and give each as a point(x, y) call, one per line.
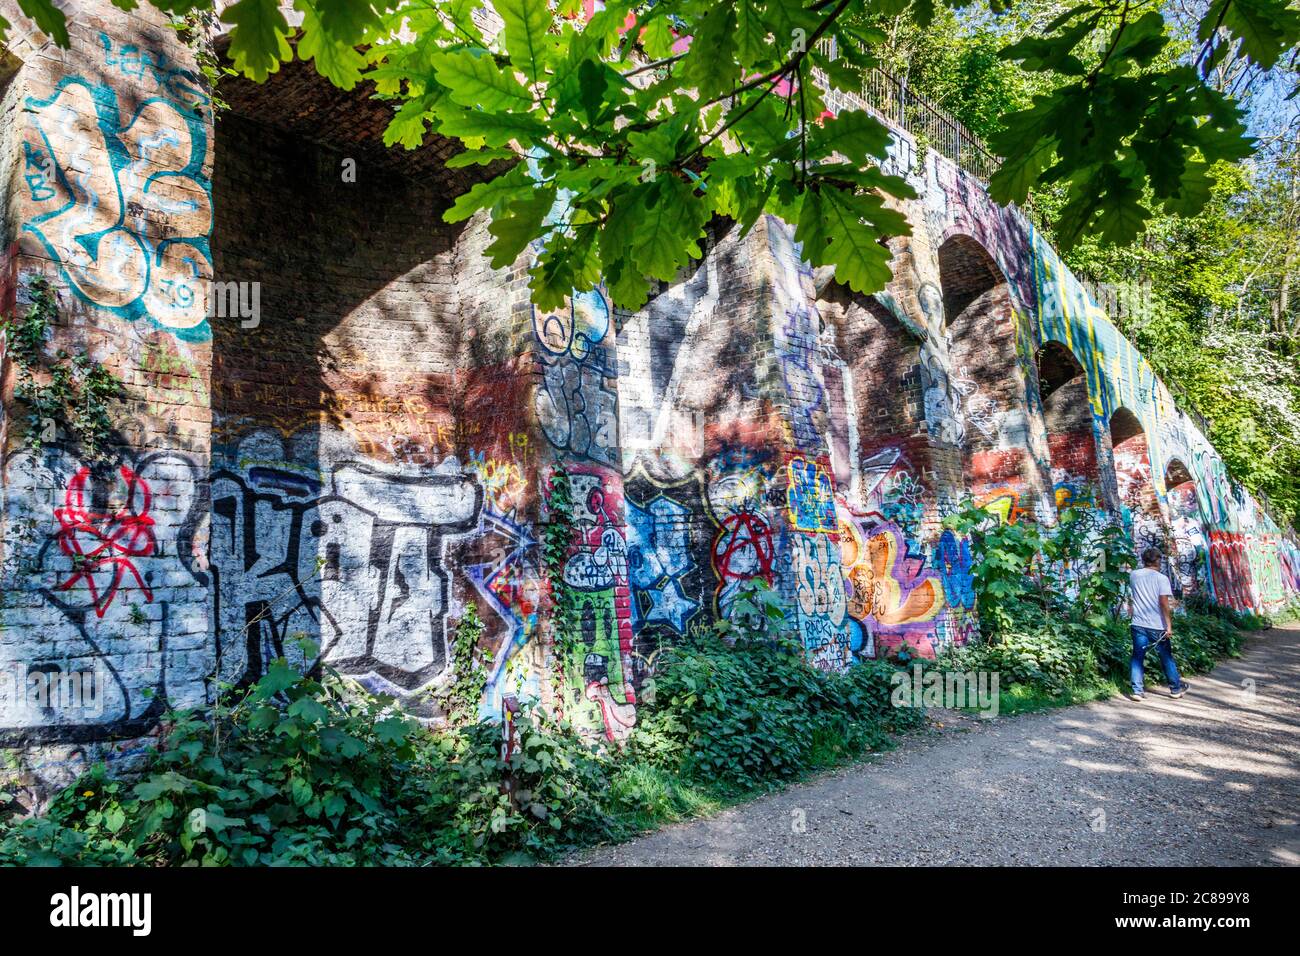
point(301, 771)
point(747, 714)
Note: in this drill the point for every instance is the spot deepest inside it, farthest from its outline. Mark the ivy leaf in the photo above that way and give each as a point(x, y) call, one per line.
point(308, 709)
point(392, 730)
point(474, 80)
point(259, 41)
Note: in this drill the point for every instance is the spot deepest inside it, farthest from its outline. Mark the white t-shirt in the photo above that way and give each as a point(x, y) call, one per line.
point(1145, 585)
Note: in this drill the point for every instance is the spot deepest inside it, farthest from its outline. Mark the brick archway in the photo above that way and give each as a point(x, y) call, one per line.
point(988, 385)
point(1071, 441)
point(1134, 486)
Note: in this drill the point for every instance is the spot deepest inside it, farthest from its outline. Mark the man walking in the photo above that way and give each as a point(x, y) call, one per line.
point(1152, 622)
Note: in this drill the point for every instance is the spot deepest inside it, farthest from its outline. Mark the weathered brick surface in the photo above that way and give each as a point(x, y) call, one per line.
point(363, 442)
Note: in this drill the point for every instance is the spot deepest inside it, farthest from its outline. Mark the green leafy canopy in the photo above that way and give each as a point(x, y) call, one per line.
point(645, 120)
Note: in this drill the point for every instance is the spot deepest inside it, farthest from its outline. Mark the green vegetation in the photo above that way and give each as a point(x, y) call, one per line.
point(1047, 600)
point(63, 390)
point(301, 770)
point(304, 771)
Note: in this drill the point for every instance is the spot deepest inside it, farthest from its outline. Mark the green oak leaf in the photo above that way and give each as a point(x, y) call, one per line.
point(259, 41)
point(514, 184)
point(516, 222)
point(48, 18)
point(526, 26)
point(475, 80)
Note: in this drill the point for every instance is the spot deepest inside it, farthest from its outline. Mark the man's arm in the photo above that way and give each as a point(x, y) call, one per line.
point(1167, 612)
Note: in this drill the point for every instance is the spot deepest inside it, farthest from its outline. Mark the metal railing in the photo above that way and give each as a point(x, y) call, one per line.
point(893, 101)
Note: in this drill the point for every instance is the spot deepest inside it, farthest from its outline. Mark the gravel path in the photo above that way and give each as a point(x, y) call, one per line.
point(1211, 779)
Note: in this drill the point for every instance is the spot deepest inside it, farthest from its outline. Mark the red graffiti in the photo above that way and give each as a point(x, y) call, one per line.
point(743, 550)
point(1230, 571)
point(101, 541)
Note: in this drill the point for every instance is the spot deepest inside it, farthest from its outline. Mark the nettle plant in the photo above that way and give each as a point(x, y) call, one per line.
point(650, 117)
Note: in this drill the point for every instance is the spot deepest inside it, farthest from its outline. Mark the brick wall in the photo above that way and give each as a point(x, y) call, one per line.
point(361, 440)
point(103, 587)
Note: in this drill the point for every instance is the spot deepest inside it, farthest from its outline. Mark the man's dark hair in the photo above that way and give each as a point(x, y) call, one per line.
point(1151, 557)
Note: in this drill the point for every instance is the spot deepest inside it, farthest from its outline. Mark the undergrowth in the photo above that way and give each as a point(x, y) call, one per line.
point(297, 770)
point(307, 770)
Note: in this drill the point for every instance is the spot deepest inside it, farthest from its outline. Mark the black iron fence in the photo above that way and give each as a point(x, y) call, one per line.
point(892, 100)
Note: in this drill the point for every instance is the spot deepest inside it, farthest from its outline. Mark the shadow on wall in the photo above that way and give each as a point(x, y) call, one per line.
point(339, 478)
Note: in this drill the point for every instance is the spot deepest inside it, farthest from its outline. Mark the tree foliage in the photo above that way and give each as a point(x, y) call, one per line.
point(646, 119)
point(639, 123)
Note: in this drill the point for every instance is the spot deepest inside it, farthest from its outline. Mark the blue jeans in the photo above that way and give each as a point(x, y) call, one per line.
point(1143, 638)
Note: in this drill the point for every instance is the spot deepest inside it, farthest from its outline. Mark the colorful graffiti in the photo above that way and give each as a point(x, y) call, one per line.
point(104, 546)
point(115, 592)
point(601, 661)
point(131, 233)
point(352, 562)
point(659, 558)
point(809, 498)
point(891, 592)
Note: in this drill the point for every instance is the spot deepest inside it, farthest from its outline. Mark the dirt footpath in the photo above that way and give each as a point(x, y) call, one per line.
point(1211, 779)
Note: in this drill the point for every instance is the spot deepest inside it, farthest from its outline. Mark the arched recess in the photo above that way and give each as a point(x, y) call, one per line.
point(1071, 441)
point(1188, 547)
point(1139, 506)
point(986, 389)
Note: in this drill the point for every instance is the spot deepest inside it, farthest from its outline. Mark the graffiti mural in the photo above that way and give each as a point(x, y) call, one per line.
point(892, 596)
point(352, 562)
point(600, 670)
point(659, 558)
point(1189, 553)
point(810, 499)
point(128, 212)
point(744, 546)
point(107, 590)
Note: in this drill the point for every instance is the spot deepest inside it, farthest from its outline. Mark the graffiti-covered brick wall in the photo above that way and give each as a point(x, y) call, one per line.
point(340, 429)
point(105, 598)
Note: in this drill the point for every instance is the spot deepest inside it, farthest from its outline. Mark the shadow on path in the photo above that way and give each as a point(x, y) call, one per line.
point(1211, 779)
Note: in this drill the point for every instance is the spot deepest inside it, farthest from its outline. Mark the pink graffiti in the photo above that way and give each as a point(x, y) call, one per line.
point(101, 541)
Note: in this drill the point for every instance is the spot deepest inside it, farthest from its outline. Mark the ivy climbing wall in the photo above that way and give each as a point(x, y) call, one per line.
point(339, 427)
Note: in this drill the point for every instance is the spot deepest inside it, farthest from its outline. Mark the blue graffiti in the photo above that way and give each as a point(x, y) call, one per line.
point(658, 557)
point(952, 559)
